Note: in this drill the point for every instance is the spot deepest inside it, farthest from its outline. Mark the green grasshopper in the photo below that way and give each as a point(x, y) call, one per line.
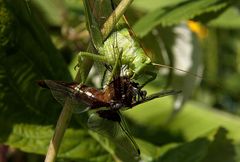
point(122, 48)
point(128, 50)
point(125, 49)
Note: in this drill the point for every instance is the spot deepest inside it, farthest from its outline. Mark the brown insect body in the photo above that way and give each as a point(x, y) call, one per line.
point(121, 92)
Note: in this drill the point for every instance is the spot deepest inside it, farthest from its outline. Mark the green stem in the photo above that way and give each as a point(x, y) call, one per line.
point(61, 126)
point(114, 18)
point(67, 110)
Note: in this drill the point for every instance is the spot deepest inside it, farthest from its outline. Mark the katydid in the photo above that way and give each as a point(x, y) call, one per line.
point(132, 54)
point(121, 47)
point(121, 42)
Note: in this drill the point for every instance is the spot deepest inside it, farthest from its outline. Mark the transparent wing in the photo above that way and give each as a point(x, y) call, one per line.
point(157, 95)
point(62, 93)
point(111, 124)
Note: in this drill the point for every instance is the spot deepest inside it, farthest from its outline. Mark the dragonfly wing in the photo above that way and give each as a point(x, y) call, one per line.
point(157, 95)
point(63, 93)
point(112, 125)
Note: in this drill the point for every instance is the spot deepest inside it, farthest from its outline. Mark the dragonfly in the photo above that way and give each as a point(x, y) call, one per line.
point(106, 104)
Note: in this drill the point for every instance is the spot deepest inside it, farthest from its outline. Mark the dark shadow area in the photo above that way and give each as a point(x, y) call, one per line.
point(221, 149)
point(158, 137)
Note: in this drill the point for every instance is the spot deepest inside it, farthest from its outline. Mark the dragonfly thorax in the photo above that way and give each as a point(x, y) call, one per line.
point(125, 93)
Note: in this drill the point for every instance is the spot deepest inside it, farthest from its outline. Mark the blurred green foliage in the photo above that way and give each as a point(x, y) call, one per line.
point(40, 40)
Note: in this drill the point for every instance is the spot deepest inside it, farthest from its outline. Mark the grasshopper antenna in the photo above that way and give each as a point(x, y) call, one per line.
point(184, 71)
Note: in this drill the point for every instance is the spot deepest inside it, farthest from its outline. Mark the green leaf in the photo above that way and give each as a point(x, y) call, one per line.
point(28, 57)
point(230, 19)
point(51, 11)
point(174, 14)
point(193, 121)
point(221, 148)
point(193, 151)
point(237, 148)
point(77, 144)
point(27, 113)
point(145, 5)
point(150, 152)
point(6, 24)
point(74, 5)
point(26, 110)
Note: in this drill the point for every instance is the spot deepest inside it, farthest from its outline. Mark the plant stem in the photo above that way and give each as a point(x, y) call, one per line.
point(67, 110)
point(61, 126)
point(114, 18)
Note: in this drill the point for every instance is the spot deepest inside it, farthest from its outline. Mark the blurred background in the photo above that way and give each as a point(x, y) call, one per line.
point(200, 42)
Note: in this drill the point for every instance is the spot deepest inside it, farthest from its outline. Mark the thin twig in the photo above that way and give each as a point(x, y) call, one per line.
point(61, 126)
point(114, 18)
point(67, 110)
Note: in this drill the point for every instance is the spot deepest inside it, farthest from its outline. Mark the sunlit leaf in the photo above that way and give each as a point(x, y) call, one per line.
point(185, 152)
point(28, 113)
point(152, 116)
point(230, 19)
point(29, 57)
point(154, 4)
point(77, 144)
point(221, 148)
point(52, 11)
point(174, 14)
